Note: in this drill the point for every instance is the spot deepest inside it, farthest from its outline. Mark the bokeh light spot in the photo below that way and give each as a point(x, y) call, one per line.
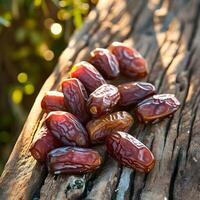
point(85, 8)
point(62, 3)
point(29, 89)
point(37, 2)
point(63, 14)
point(17, 96)
point(22, 77)
point(56, 28)
point(48, 22)
point(48, 55)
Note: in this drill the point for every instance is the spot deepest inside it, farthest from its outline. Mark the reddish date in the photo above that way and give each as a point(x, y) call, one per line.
point(105, 62)
point(73, 160)
point(88, 75)
point(67, 129)
point(53, 101)
point(75, 97)
point(44, 144)
point(100, 128)
point(157, 107)
point(131, 63)
point(130, 152)
point(134, 92)
point(103, 100)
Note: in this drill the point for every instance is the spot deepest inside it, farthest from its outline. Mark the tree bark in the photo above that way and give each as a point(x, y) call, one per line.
point(167, 33)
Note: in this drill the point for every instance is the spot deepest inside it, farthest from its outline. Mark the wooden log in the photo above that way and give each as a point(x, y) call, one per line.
point(167, 33)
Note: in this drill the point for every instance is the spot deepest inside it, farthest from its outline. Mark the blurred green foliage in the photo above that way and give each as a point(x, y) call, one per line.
point(33, 33)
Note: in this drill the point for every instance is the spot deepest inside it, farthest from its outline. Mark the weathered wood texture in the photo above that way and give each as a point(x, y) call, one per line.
point(167, 33)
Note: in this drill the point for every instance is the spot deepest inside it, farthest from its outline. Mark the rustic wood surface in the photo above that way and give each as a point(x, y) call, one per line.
point(167, 33)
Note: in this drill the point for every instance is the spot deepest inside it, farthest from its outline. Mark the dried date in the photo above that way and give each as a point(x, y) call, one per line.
point(103, 100)
point(44, 144)
point(100, 128)
point(157, 107)
point(131, 63)
point(75, 98)
point(130, 152)
point(73, 160)
point(52, 101)
point(105, 62)
point(134, 92)
point(67, 129)
point(88, 75)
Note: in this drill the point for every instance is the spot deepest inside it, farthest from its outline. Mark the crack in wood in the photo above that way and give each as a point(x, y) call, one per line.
point(173, 177)
point(193, 117)
point(195, 28)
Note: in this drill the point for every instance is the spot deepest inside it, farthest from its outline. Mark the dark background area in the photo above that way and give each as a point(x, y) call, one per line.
point(33, 33)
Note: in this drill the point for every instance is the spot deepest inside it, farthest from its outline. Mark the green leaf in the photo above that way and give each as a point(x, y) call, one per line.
point(77, 18)
point(15, 9)
point(4, 22)
point(20, 34)
point(35, 37)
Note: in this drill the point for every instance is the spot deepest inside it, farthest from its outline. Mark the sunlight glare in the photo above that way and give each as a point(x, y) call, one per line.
point(56, 28)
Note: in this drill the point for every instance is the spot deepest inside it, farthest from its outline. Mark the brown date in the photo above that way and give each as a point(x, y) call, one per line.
point(157, 107)
point(130, 152)
point(52, 101)
point(134, 92)
point(131, 63)
point(105, 62)
point(100, 128)
point(73, 160)
point(88, 75)
point(44, 144)
point(75, 98)
point(67, 129)
point(103, 100)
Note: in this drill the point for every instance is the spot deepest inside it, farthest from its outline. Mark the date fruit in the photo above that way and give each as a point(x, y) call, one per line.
point(130, 152)
point(88, 75)
point(134, 92)
point(73, 160)
point(67, 129)
point(75, 97)
point(44, 144)
point(131, 63)
point(52, 101)
point(157, 107)
point(103, 99)
point(105, 62)
point(100, 128)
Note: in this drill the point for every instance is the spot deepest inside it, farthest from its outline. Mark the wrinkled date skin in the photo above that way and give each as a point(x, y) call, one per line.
point(100, 128)
point(44, 144)
point(88, 75)
point(157, 107)
point(134, 92)
point(105, 62)
point(130, 152)
point(75, 97)
point(131, 63)
point(52, 101)
point(73, 160)
point(103, 100)
point(67, 129)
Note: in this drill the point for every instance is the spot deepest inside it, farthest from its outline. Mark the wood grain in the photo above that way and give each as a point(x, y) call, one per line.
point(167, 33)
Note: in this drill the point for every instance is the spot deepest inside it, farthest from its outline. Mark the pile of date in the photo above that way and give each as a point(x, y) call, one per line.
point(90, 111)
